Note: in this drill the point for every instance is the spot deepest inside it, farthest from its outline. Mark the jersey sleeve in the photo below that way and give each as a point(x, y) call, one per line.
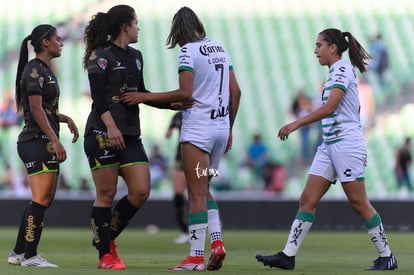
point(97, 62)
point(230, 63)
point(97, 66)
point(35, 80)
point(140, 65)
point(342, 76)
point(185, 59)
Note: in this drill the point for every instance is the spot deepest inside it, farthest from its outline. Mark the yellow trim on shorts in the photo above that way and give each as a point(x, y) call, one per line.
point(133, 163)
point(44, 171)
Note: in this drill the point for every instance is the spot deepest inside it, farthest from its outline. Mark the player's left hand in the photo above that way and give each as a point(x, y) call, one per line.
point(229, 142)
point(73, 129)
point(287, 129)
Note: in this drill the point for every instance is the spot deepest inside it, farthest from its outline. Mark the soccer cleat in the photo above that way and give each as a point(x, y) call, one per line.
point(384, 263)
point(280, 260)
point(183, 238)
point(109, 262)
point(15, 258)
point(190, 264)
point(217, 255)
point(36, 261)
point(112, 247)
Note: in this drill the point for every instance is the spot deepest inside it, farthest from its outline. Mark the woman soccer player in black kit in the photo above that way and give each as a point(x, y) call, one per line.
point(112, 141)
point(38, 145)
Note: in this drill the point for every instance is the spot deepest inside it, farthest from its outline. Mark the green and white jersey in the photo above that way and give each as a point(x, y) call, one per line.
point(344, 123)
point(210, 64)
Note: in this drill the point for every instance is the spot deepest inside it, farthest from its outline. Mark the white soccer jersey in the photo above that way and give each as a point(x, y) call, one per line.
point(210, 63)
point(344, 123)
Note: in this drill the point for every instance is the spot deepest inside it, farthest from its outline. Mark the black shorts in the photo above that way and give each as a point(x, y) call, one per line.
point(100, 153)
point(38, 156)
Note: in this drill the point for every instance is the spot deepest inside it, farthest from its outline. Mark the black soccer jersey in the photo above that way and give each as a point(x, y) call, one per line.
point(112, 71)
point(38, 79)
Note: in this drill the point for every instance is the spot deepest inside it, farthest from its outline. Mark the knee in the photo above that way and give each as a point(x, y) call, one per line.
point(139, 197)
point(106, 196)
point(306, 204)
point(197, 202)
point(44, 202)
point(45, 199)
point(361, 207)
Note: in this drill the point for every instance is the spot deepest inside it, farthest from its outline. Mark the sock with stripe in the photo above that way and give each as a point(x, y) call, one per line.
point(214, 226)
point(298, 231)
point(377, 234)
point(197, 227)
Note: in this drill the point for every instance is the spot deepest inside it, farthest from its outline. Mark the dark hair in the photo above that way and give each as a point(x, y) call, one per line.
point(357, 54)
point(39, 33)
point(104, 27)
point(186, 27)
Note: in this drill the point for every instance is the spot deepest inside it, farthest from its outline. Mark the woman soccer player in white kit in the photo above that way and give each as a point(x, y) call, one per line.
point(206, 78)
point(343, 153)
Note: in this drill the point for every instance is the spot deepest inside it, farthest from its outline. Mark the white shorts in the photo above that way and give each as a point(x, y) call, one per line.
point(343, 160)
point(212, 141)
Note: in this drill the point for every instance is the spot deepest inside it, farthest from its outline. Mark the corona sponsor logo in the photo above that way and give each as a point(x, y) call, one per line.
point(207, 50)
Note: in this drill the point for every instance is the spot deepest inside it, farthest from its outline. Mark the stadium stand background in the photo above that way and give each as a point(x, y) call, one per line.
point(271, 43)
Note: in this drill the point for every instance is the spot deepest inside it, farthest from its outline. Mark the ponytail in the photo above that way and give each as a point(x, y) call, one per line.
point(23, 59)
point(95, 35)
point(105, 27)
point(358, 56)
point(40, 32)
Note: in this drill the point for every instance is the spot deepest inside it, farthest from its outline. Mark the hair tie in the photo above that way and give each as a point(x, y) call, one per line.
point(42, 36)
point(344, 43)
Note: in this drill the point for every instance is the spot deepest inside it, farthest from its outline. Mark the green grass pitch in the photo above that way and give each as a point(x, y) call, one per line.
point(323, 252)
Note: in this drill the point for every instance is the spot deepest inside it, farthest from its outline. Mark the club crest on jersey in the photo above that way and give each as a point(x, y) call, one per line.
point(102, 63)
point(93, 56)
point(34, 73)
point(41, 80)
point(139, 66)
